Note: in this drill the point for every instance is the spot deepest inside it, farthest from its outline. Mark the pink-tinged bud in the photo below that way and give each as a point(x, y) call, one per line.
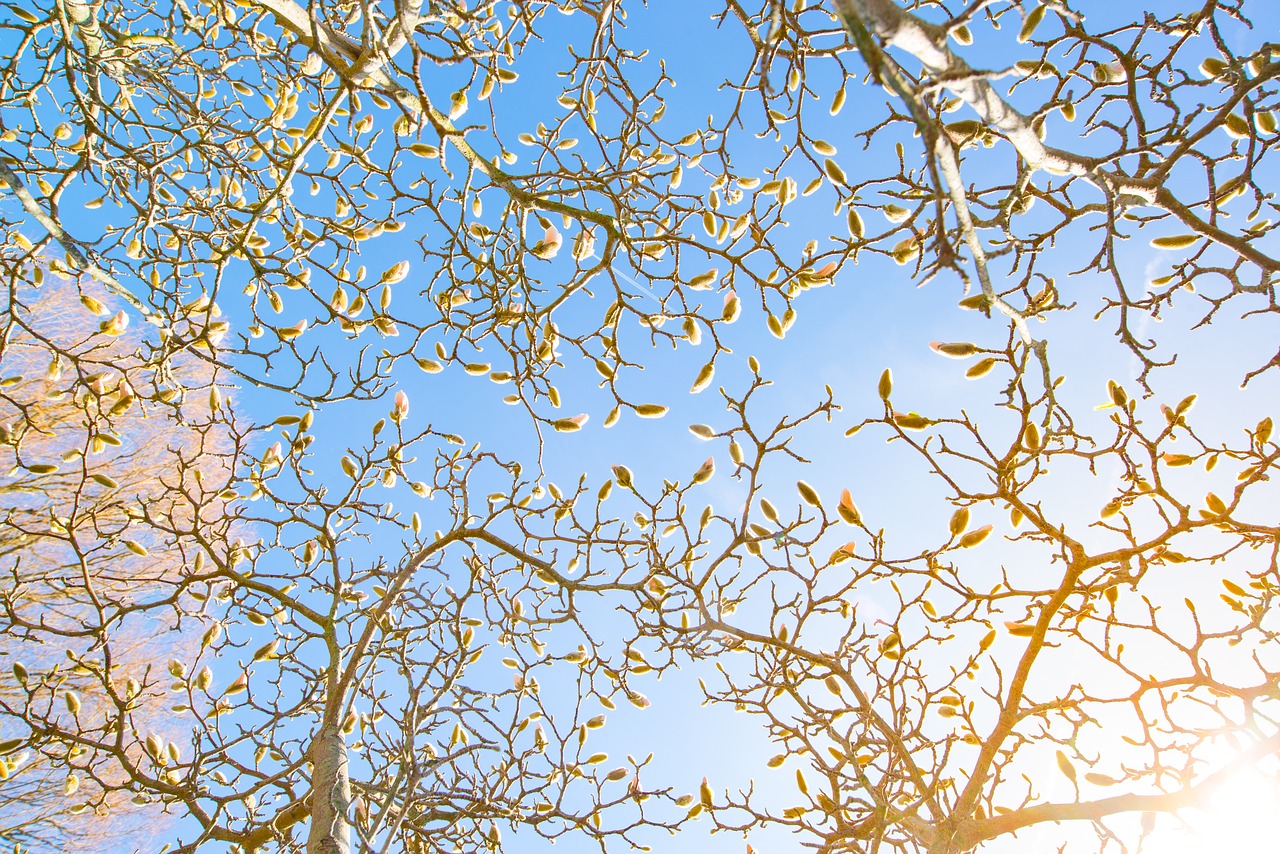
point(116, 324)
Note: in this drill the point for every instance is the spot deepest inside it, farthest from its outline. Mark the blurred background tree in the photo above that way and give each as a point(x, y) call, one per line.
point(82, 456)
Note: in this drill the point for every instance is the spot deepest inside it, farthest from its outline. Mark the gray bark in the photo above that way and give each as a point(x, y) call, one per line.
point(330, 794)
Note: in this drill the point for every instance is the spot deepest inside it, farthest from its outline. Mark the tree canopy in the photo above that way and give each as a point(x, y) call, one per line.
point(399, 311)
point(83, 461)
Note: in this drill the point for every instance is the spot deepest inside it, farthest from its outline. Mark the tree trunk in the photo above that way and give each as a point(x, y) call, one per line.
point(330, 794)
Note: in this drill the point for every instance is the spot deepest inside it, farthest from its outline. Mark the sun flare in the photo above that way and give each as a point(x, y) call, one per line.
point(1241, 817)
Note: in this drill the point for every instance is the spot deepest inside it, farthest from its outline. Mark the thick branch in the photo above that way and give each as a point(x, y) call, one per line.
point(330, 794)
point(928, 44)
point(75, 254)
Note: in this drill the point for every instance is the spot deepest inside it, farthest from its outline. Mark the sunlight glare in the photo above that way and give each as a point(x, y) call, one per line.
point(1242, 817)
